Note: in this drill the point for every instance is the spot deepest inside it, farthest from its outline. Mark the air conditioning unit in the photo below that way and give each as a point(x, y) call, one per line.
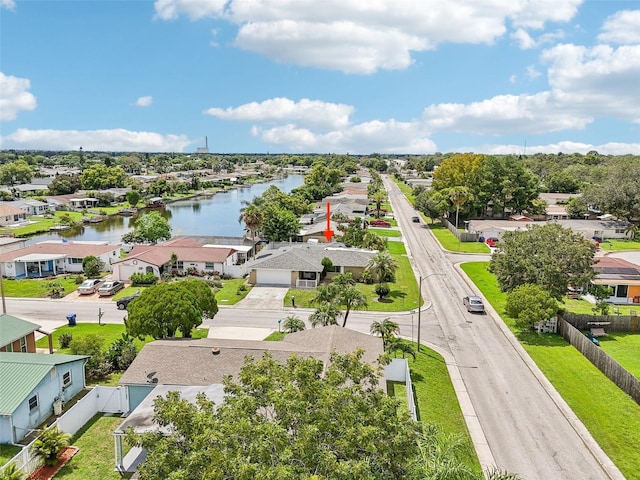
point(57, 407)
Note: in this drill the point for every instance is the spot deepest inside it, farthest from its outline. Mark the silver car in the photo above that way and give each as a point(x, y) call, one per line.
point(89, 286)
point(473, 304)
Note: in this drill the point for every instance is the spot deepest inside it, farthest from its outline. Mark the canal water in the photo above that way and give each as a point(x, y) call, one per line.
point(211, 215)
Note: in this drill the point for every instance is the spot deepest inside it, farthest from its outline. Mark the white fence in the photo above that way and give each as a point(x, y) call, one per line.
point(398, 371)
point(99, 399)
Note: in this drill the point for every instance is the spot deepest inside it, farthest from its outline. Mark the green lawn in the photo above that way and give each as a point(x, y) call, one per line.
point(230, 294)
point(95, 459)
point(620, 245)
point(624, 348)
point(385, 232)
point(449, 241)
point(406, 189)
point(7, 452)
point(611, 416)
point(41, 224)
point(404, 291)
point(109, 332)
point(436, 399)
point(35, 287)
point(581, 306)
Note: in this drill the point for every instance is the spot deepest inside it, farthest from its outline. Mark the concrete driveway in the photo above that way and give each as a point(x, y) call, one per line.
point(264, 298)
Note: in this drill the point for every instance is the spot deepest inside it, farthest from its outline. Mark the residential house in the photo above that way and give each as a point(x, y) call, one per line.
point(300, 265)
point(193, 257)
point(8, 244)
point(32, 207)
point(603, 228)
point(556, 204)
point(31, 385)
point(622, 278)
point(84, 202)
point(17, 335)
point(205, 362)
point(10, 215)
point(53, 257)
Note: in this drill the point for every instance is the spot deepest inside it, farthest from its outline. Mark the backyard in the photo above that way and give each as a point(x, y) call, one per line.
point(611, 416)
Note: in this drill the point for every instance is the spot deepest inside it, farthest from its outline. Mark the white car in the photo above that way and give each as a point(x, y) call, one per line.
point(473, 304)
point(89, 286)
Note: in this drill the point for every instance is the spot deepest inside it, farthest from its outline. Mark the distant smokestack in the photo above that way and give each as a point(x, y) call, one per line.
point(206, 143)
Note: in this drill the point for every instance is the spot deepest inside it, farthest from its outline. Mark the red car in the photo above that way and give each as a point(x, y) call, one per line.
point(379, 223)
point(492, 241)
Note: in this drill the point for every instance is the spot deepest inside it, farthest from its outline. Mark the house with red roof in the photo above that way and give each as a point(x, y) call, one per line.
point(622, 278)
point(192, 257)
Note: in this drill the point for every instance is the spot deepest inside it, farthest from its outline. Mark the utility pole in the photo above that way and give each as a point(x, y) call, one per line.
point(100, 314)
point(419, 311)
point(4, 302)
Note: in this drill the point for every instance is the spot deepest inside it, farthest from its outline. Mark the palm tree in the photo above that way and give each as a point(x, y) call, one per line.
point(632, 231)
point(350, 297)
point(344, 280)
point(325, 315)
point(293, 324)
point(252, 216)
point(403, 347)
point(373, 241)
point(459, 196)
point(383, 266)
point(11, 472)
point(378, 197)
point(387, 329)
point(324, 294)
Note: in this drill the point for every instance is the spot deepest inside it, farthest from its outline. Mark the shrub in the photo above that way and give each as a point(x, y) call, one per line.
point(226, 276)
point(97, 366)
point(11, 472)
point(382, 290)
point(138, 279)
point(49, 444)
point(65, 340)
point(122, 352)
point(79, 279)
point(214, 283)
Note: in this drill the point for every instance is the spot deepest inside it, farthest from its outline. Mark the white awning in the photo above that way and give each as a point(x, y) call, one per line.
point(40, 257)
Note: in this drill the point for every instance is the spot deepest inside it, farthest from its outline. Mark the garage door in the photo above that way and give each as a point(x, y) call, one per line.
point(273, 277)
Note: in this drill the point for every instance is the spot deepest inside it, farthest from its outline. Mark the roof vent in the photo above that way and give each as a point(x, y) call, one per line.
point(215, 351)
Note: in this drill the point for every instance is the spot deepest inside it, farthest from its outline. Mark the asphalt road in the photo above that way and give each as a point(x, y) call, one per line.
point(528, 428)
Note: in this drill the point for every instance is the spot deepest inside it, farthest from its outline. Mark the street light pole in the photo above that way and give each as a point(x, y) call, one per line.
point(419, 311)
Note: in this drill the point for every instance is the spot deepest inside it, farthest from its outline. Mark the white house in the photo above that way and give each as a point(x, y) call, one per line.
point(10, 215)
point(54, 258)
point(32, 207)
point(31, 383)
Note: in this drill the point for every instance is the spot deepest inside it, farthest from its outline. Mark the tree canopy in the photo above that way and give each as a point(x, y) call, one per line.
point(300, 419)
point(529, 304)
point(549, 256)
point(150, 227)
point(100, 177)
point(165, 309)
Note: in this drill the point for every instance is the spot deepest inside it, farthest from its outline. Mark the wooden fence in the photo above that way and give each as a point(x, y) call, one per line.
point(611, 323)
point(626, 381)
point(462, 236)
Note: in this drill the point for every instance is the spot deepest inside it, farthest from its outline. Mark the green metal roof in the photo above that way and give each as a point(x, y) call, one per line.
point(20, 374)
point(12, 328)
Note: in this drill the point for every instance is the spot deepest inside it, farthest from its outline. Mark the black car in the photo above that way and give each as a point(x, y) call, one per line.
point(124, 301)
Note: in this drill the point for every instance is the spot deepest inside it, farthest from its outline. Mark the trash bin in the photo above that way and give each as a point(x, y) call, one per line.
point(71, 318)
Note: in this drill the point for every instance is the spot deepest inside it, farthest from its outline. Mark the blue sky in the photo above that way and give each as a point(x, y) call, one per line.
point(321, 76)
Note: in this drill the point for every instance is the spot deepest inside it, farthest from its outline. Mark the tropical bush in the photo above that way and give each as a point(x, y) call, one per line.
point(49, 444)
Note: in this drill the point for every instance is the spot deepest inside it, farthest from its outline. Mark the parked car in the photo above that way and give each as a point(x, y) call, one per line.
point(491, 241)
point(473, 303)
point(123, 302)
point(110, 288)
point(89, 286)
point(379, 223)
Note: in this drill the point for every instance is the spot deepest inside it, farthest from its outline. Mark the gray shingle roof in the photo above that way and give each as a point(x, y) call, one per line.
point(308, 257)
point(191, 361)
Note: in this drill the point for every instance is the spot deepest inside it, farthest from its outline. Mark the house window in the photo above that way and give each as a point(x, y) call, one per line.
point(33, 402)
point(307, 275)
point(9, 347)
point(180, 265)
point(66, 379)
point(334, 269)
point(620, 230)
point(621, 291)
point(209, 265)
point(75, 260)
point(23, 344)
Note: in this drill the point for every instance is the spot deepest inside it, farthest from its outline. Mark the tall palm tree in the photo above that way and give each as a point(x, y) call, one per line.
point(252, 216)
point(293, 324)
point(397, 345)
point(387, 329)
point(459, 196)
point(378, 197)
point(350, 297)
point(383, 266)
point(325, 315)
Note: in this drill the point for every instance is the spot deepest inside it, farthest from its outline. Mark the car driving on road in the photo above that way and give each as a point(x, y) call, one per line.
point(473, 303)
point(110, 288)
point(123, 302)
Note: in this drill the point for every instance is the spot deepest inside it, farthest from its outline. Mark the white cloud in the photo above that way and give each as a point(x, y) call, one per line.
point(144, 101)
point(114, 140)
point(8, 4)
point(601, 79)
point(14, 96)
point(194, 9)
point(375, 136)
point(513, 78)
point(622, 27)
point(539, 113)
point(523, 39)
point(354, 36)
point(311, 113)
point(532, 72)
point(611, 148)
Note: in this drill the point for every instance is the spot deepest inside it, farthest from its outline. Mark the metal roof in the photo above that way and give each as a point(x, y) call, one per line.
point(12, 328)
point(20, 374)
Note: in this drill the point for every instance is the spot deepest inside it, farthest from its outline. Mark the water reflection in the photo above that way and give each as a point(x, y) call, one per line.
point(210, 215)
